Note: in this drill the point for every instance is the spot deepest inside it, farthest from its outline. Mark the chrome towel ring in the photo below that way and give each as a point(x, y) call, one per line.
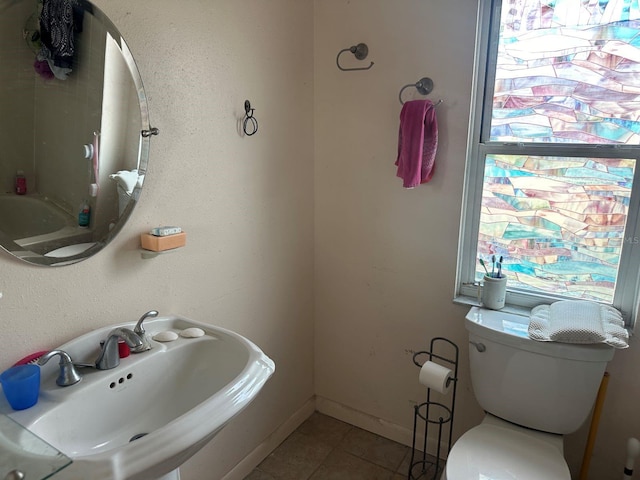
point(360, 51)
point(424, 87)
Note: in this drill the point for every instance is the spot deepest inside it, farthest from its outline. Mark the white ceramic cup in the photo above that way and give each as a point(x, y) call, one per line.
point(494, 292)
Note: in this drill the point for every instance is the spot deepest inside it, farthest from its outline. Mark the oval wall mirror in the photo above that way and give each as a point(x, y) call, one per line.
point(74, 136)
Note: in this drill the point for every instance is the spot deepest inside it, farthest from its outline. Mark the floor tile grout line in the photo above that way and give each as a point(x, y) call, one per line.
point(337, 439)
point(321, 463)
point(333, 448)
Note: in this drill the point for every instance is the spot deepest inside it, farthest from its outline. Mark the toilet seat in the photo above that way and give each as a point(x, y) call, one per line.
point(492, 451)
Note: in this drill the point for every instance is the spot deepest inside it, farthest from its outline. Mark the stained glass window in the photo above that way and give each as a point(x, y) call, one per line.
point(568, 71)
point(557, 223)
point(554, 145)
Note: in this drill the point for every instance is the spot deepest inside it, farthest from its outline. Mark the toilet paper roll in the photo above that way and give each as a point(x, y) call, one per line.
point(436, 377)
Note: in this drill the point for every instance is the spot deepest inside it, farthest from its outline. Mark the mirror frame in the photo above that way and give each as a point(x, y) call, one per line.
point(146, 131)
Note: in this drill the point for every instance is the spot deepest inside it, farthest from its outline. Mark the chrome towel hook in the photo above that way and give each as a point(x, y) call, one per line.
point(360, 51)
point(424, 87)
point(249, 119)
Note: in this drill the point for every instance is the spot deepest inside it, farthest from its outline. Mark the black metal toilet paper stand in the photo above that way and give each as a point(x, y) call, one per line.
point(433, 413)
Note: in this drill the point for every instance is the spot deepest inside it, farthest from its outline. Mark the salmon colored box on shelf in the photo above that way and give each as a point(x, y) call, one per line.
point(160, 244)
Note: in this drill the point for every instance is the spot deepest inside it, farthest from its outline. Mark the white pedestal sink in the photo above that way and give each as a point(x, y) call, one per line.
point(144, 418)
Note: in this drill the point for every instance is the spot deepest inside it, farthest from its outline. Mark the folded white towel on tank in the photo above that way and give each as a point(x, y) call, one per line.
point(578, 321)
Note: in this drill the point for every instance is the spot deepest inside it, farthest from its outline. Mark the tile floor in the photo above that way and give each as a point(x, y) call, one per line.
point(323, 448)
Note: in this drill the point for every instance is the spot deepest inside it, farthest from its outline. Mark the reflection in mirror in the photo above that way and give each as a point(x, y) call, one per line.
point(72, 156)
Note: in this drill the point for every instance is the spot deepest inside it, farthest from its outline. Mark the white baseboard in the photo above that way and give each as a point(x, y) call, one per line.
point(379, 426)
point(333, 409)
point(251, 461)
point(365, 421)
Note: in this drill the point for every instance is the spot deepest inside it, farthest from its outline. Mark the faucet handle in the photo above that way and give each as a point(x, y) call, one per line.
point(150, 314)
point(139, 330)
point(68, 374)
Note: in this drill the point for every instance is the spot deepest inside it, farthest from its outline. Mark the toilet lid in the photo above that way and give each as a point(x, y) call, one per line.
point(490, 452)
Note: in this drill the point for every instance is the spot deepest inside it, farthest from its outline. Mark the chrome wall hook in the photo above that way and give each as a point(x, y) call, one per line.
point(360, 51)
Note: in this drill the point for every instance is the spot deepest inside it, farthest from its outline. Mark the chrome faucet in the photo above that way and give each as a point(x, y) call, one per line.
point(139, 330)
point(110, 356)
point(68, 374)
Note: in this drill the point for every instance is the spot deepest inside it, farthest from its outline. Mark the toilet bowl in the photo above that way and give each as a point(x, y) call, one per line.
point(124, 197)
point(496, 447)
point(533, 393)
point(70, 250)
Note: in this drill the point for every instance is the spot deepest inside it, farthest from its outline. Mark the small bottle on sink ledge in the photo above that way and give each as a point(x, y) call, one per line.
point(21, 183)
point(84, 215)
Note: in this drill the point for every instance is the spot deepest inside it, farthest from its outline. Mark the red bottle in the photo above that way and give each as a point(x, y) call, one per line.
point(21, 183)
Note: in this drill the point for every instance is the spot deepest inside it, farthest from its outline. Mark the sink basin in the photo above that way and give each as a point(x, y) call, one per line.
point(150, 414)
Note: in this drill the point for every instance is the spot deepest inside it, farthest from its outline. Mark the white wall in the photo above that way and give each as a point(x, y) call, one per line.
point(385, 256)
point(17, 79)
point(67, 113)
point(245, 203)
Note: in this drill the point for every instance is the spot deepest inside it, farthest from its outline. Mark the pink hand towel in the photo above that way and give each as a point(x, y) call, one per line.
point(417, 142)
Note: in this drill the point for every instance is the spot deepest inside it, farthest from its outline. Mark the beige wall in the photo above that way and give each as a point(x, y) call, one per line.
point(384, 256)
point(245, 203)
point(17, 79)
point(67, 113)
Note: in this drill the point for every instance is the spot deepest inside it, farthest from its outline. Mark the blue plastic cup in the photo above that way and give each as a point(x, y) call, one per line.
point(21, 386)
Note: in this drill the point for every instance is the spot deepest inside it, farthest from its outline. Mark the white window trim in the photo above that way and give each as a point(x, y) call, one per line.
point(626, 297)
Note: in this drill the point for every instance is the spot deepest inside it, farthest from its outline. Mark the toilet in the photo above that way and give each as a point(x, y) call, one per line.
point(532, 392)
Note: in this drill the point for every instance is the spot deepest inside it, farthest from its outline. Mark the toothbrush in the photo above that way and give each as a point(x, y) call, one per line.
point(30, 359)
point(493, 266)
point(500, 267)
point(484, 266)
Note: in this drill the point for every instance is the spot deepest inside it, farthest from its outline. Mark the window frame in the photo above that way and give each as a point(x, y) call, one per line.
point(628, 279)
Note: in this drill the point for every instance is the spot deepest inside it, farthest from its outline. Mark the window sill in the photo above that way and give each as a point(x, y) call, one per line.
point(513, 309)
point(473, 302)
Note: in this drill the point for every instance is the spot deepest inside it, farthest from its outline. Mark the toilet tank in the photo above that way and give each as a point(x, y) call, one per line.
point(548, 386)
